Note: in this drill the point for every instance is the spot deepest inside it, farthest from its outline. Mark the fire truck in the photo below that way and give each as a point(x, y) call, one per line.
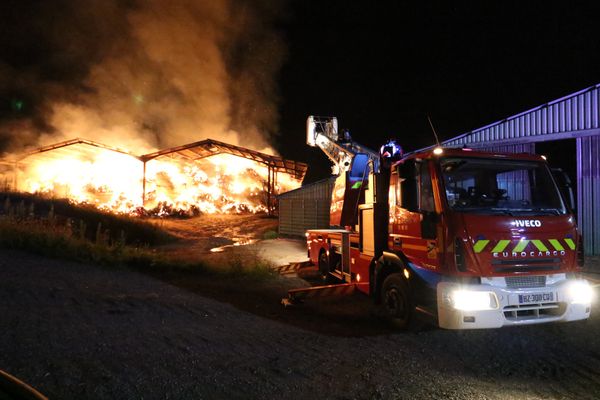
point(466, 239)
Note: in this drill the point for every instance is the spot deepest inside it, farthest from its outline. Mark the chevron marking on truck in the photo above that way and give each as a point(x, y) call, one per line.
point(540, 246)
point(501, 245)
point(480, 245)
point(556, 244)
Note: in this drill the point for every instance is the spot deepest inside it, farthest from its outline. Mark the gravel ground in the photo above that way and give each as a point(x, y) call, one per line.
point(77, 331)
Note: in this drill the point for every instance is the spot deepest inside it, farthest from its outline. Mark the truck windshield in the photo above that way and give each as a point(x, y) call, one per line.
point(499, 186)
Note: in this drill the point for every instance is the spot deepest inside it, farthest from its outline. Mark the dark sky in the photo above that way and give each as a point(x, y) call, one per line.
point(382, 67)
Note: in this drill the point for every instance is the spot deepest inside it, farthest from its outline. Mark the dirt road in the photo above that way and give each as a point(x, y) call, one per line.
point(80, 331)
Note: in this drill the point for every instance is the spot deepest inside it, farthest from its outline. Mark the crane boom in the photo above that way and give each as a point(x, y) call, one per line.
point(322, 132)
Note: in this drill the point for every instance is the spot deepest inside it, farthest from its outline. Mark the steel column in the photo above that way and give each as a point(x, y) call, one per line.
point(588, 192)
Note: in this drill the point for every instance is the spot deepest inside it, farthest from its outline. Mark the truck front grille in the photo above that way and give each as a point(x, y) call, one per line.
point(526, 264)
point(517, 282)
point(534, 311)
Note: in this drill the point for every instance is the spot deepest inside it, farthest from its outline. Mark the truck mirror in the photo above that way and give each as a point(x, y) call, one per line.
point(565, 187)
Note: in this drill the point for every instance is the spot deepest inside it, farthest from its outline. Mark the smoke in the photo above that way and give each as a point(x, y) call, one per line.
point(139, 74)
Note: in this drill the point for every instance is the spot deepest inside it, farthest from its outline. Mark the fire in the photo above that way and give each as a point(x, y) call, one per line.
point(117, 182)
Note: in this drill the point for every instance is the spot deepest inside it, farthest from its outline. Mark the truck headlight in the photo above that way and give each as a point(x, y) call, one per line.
point(581, 292)
point(471, 300)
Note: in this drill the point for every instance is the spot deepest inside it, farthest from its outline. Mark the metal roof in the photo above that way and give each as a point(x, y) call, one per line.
point(192, 151)
point(572, 116)
point(73, 142)
point(206, 148)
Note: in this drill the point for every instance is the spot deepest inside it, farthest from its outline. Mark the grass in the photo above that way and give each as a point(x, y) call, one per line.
point(58, 229)
point(87, 220)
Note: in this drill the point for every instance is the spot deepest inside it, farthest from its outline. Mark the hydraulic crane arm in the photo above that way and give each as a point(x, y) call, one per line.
point(322, 132)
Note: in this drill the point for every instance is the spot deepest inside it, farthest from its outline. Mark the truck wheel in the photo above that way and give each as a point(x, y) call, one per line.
point(396, 301)
point(324, 266)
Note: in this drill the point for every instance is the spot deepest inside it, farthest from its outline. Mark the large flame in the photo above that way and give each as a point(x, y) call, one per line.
point(114, 181)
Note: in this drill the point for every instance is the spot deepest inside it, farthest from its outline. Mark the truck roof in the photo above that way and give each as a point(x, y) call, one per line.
point(467, 152)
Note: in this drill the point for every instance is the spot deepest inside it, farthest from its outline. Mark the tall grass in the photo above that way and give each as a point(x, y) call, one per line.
point(89, 238)
point(86, 219)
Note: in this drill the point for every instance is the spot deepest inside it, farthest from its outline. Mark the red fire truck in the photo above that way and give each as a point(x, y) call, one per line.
point(468, 239)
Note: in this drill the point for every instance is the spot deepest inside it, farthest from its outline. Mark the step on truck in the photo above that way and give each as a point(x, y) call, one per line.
point(467, 239)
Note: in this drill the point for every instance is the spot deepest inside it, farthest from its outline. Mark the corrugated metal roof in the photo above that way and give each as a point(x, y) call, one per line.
point(572, 116)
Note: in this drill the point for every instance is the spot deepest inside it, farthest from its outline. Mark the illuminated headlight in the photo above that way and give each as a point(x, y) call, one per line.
point(470, 300)
point(581, 292)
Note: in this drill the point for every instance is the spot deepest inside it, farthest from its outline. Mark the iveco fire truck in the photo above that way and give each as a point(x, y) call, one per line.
point(469, 239)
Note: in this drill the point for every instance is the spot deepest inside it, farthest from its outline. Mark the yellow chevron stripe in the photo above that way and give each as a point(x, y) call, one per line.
point(521, 246)
point(556, 244)
point(540, 245)
point(500, 246)
point(570, 243)
point(480, 245)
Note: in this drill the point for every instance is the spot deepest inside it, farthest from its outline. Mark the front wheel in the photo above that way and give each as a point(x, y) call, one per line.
point(397, 302)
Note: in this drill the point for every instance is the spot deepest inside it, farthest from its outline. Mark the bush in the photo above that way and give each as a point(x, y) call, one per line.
point(270, 235)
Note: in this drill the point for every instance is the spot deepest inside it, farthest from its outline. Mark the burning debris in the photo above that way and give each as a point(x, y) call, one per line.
point(202, 177)
point(144, 75)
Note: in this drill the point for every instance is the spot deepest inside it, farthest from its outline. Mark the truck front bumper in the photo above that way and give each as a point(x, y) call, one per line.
point(484, 306)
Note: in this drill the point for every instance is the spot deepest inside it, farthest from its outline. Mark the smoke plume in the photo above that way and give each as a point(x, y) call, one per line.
point(138, 74)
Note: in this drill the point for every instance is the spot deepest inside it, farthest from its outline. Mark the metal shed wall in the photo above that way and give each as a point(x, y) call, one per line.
point(305, 208)
point(588, 192)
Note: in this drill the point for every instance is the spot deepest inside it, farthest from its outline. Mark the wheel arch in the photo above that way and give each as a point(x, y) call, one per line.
point(388, 263)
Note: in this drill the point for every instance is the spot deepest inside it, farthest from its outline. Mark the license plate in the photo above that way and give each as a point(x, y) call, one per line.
point(536, 298)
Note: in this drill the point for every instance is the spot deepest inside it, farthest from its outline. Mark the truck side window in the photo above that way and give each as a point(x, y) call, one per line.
point(426, 202)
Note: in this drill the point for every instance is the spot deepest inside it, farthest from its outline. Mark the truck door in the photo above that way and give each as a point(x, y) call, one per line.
point(413, 215)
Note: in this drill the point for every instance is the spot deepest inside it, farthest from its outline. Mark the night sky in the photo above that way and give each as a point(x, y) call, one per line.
point(168, 73)
point(382, 67)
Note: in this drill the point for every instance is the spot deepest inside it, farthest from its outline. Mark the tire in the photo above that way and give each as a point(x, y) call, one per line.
point(324, 268)
point(397, 302)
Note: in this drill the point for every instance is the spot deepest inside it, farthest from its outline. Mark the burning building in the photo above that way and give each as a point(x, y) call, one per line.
point(208, 176)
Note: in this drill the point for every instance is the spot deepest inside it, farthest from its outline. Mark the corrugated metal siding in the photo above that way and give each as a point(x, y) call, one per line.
point(305, 208)
point(570, 114)
point(588, 192)
point(528, 148)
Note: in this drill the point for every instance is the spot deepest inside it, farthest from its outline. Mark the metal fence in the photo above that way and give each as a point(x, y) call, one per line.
point(305, 208)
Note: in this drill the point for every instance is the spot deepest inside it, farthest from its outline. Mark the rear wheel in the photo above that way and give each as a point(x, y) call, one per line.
point(397, 302)
point(324, 268)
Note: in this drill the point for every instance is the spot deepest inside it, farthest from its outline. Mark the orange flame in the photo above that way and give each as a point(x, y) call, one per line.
point(113, 181)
